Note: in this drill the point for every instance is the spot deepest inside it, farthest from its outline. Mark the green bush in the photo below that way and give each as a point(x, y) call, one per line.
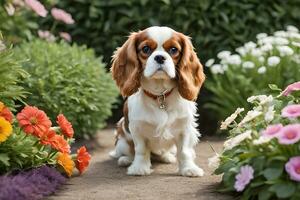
point(213, 25)
point(272, 59)
point(11, 74)
point(70, 80)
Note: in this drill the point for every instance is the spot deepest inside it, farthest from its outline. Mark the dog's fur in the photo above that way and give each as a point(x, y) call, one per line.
point(145, 128)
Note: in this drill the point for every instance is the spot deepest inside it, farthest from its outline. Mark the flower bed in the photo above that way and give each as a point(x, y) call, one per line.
point(261, 159)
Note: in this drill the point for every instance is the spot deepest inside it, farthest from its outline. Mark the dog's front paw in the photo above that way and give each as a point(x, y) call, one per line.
point(191, 171)
point(139, 170)
point(124, 161)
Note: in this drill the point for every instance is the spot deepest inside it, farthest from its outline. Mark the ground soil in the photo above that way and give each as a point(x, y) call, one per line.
point(105, 180)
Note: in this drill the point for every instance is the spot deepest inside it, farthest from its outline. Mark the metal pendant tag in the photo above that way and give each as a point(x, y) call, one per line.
point(161, 101)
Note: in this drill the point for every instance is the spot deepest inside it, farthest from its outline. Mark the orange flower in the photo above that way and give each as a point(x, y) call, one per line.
point(66, 162)
point(83, 159)
point(5, 113)
point(34, 121)
point(65, 126)
point(55, 141)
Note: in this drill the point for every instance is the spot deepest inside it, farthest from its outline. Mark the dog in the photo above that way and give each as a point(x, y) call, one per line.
point(159, 72)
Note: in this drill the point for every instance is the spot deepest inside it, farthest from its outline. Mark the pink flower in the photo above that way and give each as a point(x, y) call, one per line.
point(61, 15)
point(291, 111)
point(65, 36)
point(292, 167)
point(46, 35)
point(289, 134)
point(272, 130)
point(243, 178)
point(291, 88)
point(37, 7)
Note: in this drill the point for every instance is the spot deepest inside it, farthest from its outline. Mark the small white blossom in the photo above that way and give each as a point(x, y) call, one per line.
point(294, 35)
point(250, 45)
point(241, 50)
point(261, 59)
point(234, 59)
point(2, 46)
point(291, 28)
point(262, 140)
point(261, 36)
point(231, 118)
point(266, 47)
point(285, 50)
point(269, 115)
point(223, 54)
point(217, 69)
point(252, 114)
point(262, 99)
point(296, 44)
point(262, 70)
point(266, 40)
point(280, 41)
point(248, 65)
point(210, 62)
point(280, 34)
point(296, 59)
point(232, 142)
point(273, 61)
point(256, 52)
point(10, 9)
point(214, 162)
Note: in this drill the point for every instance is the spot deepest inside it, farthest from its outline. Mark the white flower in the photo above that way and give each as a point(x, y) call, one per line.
point(248, 65)
point(231, 118)
point(217, 69)
point(241, 50)
point(261, 36)
point(252, 114)
point(210, 62)
point(291, 28)
point(250, 45)
point(214, 162)
point(280, 41)
point(2, 46)
point(256, 52)
point(293, 35)
point(262, 70)
point(262, 99)
point(273, 61)
point(10, 9)
point(280, 34)
point(262, 140)
point(296, 44)
point(296, 59)
point(285, 50)
point(261, 59)
point(234, 59)
point(269, 115)
point(266, 47)
point(266, 40)
point(232, 142)
point(223, 54)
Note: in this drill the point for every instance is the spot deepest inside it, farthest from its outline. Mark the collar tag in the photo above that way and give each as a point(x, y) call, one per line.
point(162, 100)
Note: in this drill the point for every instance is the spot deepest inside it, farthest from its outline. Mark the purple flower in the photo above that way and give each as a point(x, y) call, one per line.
point(291, 111)
point(272, 130)
point(30, 185)
point(291, 88)
point(243, 178)
point(292, 167)
point(289, 134)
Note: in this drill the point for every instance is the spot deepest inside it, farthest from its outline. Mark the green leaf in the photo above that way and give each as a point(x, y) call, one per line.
point(272, 173)
point(274, 87)
point(4, 159)
point(283, 189)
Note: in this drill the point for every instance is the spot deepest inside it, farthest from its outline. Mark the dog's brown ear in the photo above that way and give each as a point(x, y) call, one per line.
point(190, 71)
point(126, 69)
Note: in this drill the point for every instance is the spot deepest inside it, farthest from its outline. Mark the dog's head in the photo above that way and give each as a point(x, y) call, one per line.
point(158, 53)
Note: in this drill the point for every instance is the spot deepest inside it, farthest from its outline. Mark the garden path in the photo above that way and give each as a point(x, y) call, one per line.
point(105, 180)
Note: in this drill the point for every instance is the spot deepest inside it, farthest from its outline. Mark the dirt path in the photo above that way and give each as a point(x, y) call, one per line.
point(105, 180)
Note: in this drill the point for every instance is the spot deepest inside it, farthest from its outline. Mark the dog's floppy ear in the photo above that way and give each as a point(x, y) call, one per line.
point(126, 69)
point(190, 71)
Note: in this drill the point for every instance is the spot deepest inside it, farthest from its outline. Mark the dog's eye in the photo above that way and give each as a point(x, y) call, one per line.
point(173, 50)
point(146, 49)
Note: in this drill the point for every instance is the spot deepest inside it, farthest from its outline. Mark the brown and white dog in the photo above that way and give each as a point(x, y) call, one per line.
point(160, 73)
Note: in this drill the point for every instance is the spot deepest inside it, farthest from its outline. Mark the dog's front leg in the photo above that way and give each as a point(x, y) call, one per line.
point(141, 164)
point(186, 156)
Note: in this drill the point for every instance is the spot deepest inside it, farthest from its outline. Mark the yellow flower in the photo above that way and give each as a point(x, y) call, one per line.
point(65, 160)
point(1, 106)
point(5, 129)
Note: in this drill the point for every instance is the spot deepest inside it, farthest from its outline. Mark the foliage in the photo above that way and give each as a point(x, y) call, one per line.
point(265, 140)
point(70, 80)
point(273, 59)
point(213, 25)
point(27, 145)
point(11, 74)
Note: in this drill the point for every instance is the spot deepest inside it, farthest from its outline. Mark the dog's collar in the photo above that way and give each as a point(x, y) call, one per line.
point(161, 98)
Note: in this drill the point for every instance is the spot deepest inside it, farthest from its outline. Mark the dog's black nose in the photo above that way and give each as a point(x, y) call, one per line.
point(159, 59)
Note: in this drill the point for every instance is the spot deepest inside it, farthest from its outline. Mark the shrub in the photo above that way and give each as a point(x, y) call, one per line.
point(213, 25)
point(70, 80)
point(11, 74)
point(261, 158)
point(272, 60)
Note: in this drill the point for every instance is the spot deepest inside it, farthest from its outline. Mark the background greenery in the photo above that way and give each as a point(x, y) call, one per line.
point(70, 80)
point(213, 25)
